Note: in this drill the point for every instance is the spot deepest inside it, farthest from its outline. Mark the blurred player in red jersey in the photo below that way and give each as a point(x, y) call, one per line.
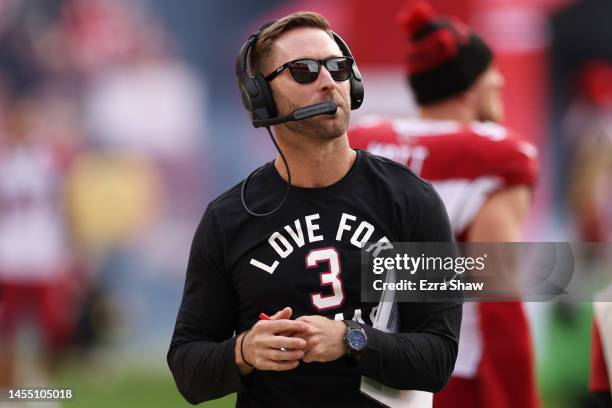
point(35, 256)
point(590, 191)
point(601, 351)
point(484, 175)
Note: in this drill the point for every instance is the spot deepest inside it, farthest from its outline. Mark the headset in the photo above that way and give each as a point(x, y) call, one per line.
point(256, 93)
point(258, 100)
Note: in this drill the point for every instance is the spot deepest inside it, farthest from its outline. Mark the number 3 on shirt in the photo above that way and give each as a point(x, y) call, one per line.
point(330, 277)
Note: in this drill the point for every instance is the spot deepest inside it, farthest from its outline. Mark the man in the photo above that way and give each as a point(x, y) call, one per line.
point(301, 264)
point(484, 176)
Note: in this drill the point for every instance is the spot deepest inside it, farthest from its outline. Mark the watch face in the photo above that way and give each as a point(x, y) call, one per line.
point(356, 340)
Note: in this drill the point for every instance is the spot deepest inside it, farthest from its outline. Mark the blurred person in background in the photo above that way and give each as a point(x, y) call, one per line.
point(138, 179)
point(38, 137)
point(102, 107)
point(484, 175)
point(143, 111)
point(587, 135)
point(101, 156)
point(35, 246)
point(580, 35)
point(601, 351)
point(581, 147)
point(588, 126)
point(136, 192)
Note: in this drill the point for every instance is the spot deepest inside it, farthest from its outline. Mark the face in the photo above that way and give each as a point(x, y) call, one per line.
point(308, 42)
point(487, 96)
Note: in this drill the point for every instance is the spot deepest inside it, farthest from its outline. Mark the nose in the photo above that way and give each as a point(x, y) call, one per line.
point(325, 81)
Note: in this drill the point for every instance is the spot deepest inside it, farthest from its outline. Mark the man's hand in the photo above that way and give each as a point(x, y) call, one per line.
point(325, 338)
point(262, 344)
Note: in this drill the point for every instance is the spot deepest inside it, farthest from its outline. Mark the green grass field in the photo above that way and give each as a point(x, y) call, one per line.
point(130, 388)
point(153, 388)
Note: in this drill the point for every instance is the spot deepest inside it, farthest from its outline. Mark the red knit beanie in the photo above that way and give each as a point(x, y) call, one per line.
point(444, 57)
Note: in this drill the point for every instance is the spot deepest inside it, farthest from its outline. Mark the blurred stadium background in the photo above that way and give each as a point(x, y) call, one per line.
point(119, 121)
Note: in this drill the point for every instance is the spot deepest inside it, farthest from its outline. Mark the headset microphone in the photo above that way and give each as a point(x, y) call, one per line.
point(323, 108)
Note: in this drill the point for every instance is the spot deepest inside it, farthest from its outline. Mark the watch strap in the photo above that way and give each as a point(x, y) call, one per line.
point(351, 324)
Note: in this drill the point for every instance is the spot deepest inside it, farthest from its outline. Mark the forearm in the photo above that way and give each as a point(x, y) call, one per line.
point(202, 354)
point(419, 360)
point(205, 370)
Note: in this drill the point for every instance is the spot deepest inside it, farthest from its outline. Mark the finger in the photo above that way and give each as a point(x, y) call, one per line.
point(309, 356)
point(301, 335)
point(278, 355)
point(289, 343)
point(287, 333)
point(312, 321)
point(279, 326)
point(282, 314)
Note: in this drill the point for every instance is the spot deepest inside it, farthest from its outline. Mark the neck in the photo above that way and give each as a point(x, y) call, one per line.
point(313, 163)
point(449, 110)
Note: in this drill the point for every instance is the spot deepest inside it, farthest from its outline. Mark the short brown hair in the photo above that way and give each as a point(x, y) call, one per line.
point(262, 50)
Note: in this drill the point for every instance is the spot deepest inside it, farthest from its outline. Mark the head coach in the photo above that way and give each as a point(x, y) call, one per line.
point(286, 242)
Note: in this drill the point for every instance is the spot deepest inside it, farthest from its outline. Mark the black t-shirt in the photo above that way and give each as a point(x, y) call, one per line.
point(307, 256)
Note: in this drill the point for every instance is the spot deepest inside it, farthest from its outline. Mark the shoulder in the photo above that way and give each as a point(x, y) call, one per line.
point(502, 152)
point(370, 128)
point(262, 193)
point(500, 140)
point(227, 200)
point(414, 201)
point(223, 209)
point(384, 135)
point(213, 216)
point(491, 140)
point(374, 126)
point(398, 177)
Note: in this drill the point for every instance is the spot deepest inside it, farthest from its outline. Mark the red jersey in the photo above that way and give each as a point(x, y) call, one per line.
point(466, 164)
point(601, 345)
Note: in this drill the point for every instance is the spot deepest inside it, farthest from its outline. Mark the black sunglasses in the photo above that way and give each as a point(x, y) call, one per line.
point(306, 70)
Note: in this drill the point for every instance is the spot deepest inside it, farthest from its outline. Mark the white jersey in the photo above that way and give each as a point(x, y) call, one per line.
point(32, 235)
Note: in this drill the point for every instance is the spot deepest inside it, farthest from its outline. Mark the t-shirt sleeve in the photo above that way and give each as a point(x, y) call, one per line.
point(201, 354)
point(422, 355)
point(432, 225)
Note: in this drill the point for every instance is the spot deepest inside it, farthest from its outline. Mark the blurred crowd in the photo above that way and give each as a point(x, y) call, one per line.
point(100, 128)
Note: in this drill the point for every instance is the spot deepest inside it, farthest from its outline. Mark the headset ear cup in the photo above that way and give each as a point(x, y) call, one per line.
point(266, 95)
point(247, 99)
point(356, 82)
point(357, 90)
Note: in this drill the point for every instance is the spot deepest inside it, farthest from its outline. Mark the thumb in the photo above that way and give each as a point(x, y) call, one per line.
point(282, 314)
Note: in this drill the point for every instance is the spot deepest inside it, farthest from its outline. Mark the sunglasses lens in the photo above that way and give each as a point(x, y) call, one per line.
point(304, 71)
point(339, 68)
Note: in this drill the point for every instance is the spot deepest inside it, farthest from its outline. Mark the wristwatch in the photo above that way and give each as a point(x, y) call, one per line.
point(355, 339)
